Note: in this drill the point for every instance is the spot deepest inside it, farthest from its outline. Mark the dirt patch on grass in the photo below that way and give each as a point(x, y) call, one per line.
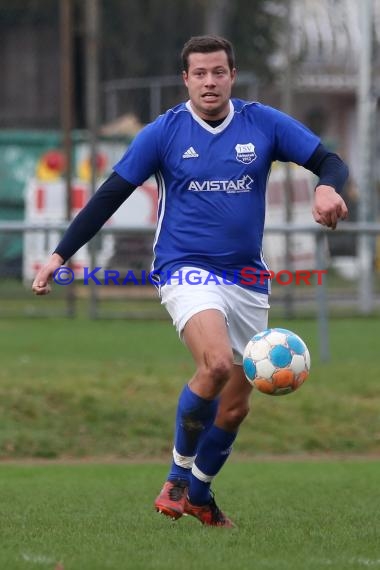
point(260, 458)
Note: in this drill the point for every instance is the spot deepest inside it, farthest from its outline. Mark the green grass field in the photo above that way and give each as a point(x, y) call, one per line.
point(290, 516)
point(302, 483)
point(109, 387)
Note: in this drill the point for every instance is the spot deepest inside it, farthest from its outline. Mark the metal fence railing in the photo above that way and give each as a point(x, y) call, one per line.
point(321, 292)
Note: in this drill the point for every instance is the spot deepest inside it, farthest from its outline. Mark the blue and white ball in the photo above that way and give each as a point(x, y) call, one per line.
point(276, 361)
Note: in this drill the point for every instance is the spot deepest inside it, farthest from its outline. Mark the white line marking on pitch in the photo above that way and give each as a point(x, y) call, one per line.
point(38, 558)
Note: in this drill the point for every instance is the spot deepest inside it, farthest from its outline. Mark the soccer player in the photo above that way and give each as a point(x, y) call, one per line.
point(211, 157)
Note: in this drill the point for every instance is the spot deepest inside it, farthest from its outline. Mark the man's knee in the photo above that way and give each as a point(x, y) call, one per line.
point(212, 375)
point(218, 368)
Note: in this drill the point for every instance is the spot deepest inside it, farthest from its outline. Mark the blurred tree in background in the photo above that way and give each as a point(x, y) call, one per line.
point(138, 38)
point(145, 37)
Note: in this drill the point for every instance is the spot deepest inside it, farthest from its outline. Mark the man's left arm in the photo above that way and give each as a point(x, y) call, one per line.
point(329, 206)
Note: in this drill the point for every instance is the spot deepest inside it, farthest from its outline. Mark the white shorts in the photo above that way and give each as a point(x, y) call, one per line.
point(246, 311)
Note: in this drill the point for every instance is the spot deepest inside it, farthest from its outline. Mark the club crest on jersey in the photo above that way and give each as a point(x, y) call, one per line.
point(245, 153)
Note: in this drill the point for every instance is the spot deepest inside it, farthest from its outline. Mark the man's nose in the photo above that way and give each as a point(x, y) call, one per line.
point(209, 79)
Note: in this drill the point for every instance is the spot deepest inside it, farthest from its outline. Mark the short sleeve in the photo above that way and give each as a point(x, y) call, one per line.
point(141, 159)
point(293, 141)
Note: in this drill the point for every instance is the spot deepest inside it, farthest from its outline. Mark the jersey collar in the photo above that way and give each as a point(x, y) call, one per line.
point(206, 126)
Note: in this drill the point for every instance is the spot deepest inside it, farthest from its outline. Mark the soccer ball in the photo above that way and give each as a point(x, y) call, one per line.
point(276, 361)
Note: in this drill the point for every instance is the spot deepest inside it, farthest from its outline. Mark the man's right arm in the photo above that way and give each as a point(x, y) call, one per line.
point(108, 198)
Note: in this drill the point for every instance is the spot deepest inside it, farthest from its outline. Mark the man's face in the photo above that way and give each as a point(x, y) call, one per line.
point(209, 82)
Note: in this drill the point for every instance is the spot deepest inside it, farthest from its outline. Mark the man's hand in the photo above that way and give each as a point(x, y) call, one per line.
point(41, 285)
point(329, 207)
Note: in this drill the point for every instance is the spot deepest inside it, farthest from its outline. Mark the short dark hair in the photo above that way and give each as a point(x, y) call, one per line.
point(207, 44)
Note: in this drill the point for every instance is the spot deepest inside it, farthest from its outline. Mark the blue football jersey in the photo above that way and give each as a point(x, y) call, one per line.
point(212, 184)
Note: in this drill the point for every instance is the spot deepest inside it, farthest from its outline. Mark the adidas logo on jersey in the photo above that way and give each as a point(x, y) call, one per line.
point(190, 153)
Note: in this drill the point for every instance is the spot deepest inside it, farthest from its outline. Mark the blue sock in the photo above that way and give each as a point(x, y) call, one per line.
point(195, 416)
point(212, 454)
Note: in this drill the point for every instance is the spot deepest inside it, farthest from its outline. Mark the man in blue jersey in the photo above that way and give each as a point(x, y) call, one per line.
point(211, 157)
